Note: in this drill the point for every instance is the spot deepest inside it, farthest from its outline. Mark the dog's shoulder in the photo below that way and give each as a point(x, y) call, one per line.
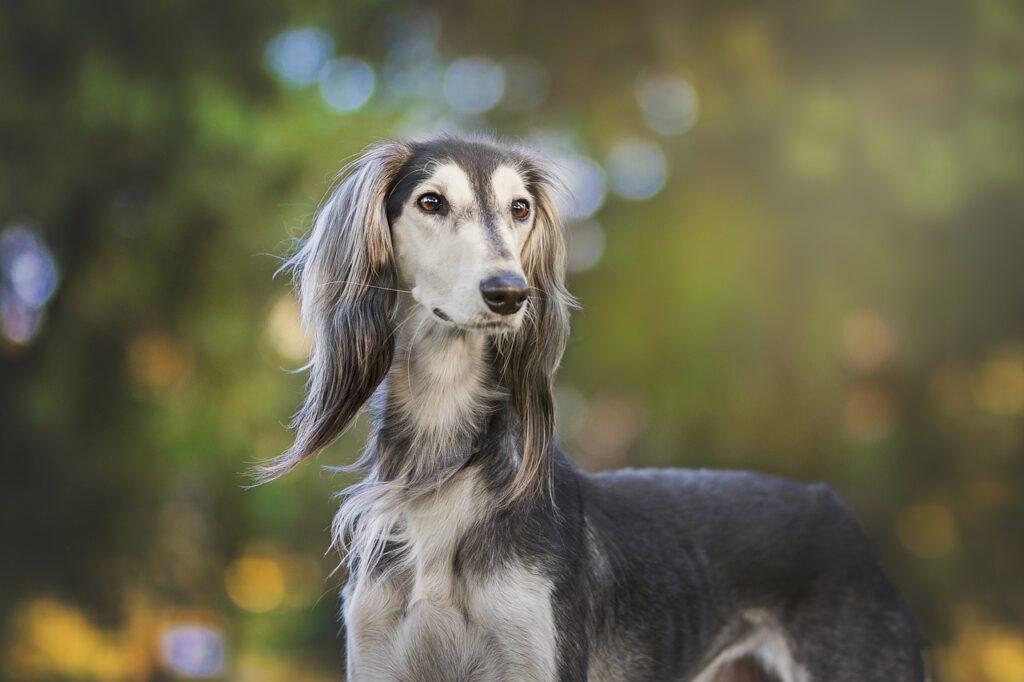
point(737, 518)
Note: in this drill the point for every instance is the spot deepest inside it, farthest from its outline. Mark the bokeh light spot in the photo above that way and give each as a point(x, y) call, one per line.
point(637, 169)
point(347, 83)
point(868, 341)
point(19, 322)
point(1002, 657)
point(160, 363)
point(998, 385)
point(255, 583)
point(285, 331)
point(50, 640)
point(669, 104)
point(193, 650)
point(28, 278)
point(473, 85)
point(586, 245)
point(59, 637)
point(28, 265)
point(585, 183)
point(296, 56)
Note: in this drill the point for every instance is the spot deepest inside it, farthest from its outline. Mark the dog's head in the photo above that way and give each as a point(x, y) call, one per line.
point(469, 227)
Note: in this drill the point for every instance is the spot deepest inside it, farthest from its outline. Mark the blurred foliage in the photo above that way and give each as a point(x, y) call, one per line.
point(828, 286)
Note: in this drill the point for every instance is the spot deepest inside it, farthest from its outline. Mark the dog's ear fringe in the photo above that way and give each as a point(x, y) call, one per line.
point(344, 274)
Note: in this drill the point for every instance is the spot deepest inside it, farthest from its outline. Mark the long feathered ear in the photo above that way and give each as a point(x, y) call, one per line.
point(528, 360)
point(345, 278)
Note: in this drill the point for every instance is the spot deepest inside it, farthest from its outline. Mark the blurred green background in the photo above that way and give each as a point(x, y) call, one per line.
point(797, 234)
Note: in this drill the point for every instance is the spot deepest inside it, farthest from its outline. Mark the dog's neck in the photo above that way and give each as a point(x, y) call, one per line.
point(438, 408)
point(433, 409)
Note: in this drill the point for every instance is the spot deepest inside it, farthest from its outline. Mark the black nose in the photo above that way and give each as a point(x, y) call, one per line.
point(504, 294)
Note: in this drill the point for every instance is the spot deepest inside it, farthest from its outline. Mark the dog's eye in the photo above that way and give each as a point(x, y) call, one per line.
point(431, 203)
point(520, 209)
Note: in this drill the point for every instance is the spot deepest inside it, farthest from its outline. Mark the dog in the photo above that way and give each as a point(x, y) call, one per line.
point(433, 283)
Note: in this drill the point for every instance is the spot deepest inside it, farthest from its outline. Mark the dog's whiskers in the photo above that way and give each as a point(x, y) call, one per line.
point(400, 324)
point(364, 284)
point(408, 354)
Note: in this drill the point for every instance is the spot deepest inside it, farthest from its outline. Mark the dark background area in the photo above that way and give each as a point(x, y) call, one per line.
point(797, 236)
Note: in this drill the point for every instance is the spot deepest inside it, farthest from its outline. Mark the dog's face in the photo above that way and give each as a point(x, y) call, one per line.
point(469, 226)
point(460, 215)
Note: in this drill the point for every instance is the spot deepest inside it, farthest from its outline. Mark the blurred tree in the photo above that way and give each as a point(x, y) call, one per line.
point(796, 236)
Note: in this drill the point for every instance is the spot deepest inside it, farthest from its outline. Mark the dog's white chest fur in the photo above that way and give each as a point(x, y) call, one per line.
point(423, 622)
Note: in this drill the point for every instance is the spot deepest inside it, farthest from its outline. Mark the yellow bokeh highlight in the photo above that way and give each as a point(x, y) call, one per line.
point(255, 583)
point(160, 363)
point(285, 331)
point(48, 639)
point(868, 341)
point(58, 639)
point(1002, 657)
point(998, 385)
point(983, 651)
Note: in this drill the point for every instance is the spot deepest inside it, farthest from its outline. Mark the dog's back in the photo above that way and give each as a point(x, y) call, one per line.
point(695, 568)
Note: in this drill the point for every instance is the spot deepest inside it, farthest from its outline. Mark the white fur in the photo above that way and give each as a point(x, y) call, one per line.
point(767, 643)
point(515, 604)
point(440, 378)
point(501, 626)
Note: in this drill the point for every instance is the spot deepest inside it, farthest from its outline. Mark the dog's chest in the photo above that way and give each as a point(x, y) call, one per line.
point(425, 621)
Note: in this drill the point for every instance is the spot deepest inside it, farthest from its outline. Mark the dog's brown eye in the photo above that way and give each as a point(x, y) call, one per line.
point(520, 209)
point(430, 203)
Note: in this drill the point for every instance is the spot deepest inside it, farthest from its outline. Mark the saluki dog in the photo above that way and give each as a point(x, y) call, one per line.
point(433, 284)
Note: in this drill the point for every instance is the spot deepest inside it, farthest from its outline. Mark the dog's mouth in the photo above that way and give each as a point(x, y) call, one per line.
point(480, 325)
point(499, 327)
